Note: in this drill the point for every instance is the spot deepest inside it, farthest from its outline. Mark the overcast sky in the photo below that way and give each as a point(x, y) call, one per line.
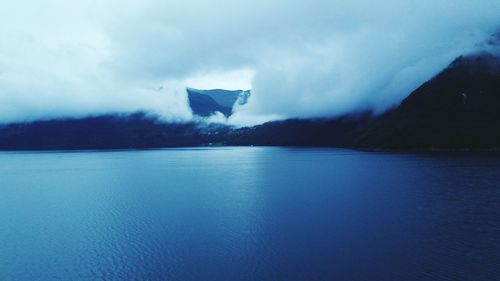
point(301, 58)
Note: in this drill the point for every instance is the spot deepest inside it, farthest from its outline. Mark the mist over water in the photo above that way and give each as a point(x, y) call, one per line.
point(249, 214)
point(301, 59)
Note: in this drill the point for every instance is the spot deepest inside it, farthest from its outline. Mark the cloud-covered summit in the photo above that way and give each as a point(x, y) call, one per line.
point(301, 58)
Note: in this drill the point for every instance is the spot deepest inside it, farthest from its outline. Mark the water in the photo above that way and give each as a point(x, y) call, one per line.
point(248, 214)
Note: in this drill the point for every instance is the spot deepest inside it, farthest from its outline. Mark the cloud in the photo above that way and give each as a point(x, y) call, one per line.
point(238, 79)
point(302, 58)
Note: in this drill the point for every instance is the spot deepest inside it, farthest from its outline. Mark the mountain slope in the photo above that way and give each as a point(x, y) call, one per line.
point(207, 102)
point(226, 98)
point(337, 132)
point(457, 109)
point(204, 105)
point(123, 131)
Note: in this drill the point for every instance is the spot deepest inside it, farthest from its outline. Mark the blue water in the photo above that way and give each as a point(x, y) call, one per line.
point(249, 214)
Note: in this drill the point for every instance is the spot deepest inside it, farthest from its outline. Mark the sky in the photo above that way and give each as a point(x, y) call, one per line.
point(302, 59)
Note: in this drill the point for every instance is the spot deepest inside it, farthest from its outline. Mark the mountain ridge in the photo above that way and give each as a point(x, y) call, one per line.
point(205, 103)
point(457, 109)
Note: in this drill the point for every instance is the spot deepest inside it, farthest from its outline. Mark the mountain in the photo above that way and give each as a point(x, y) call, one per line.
point(206, 102)
point(118, 131)
point(140, 130)
point(204, 105)
point(225, 98)
point(337, 132)
point(457, 109)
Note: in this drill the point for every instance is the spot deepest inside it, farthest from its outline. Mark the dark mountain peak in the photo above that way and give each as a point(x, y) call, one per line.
point(458, 108)
point(207, 102)
point(467, 75)
point(474, 63)
point(204, 105)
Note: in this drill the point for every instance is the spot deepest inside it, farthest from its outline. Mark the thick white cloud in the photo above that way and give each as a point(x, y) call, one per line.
point(304, 58)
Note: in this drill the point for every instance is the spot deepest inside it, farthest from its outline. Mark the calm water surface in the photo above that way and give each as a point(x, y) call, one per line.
point(249, 214)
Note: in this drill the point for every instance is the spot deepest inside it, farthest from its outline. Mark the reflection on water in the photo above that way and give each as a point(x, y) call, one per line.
point(249, 214)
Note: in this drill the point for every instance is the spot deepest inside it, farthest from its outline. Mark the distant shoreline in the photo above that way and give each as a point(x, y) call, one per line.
point(367, 150)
